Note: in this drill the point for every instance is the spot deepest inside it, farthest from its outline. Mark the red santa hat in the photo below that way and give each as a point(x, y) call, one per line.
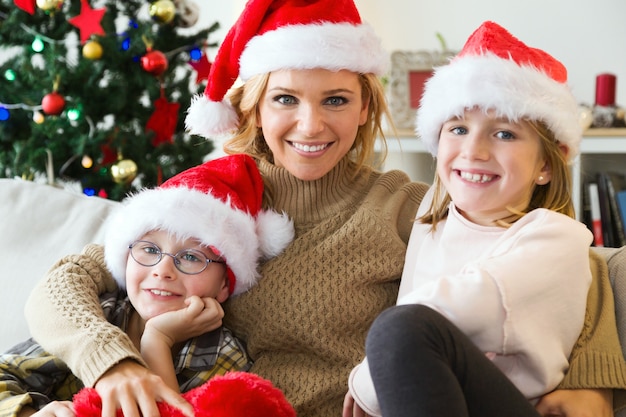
point(219, 203)
point(271, 35)
point(496, 71)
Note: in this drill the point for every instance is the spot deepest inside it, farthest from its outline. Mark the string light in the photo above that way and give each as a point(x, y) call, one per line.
point(37, 44)
point(89, 191)
point(73, 114)
point(9, 75)
point(4, 114)
point(38, 117)
point(195, 54)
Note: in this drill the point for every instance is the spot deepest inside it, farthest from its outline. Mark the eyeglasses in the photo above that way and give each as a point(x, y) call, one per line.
point(187, 261)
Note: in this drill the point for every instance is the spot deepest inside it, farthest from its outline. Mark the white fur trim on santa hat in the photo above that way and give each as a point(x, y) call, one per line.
point(209, 118)
point(274, 232)
point(190, 213)
point(490, 82)
point(333, 46)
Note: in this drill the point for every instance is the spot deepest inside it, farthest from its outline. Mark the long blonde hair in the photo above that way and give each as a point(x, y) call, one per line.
point(249, 138)
point(556, 195)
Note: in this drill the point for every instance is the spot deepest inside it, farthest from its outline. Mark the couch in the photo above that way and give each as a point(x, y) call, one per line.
point(41, 223)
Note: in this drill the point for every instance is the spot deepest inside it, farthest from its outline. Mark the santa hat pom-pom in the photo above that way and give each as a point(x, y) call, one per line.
point(275, 232)
point(210, 118)
point(239, 394)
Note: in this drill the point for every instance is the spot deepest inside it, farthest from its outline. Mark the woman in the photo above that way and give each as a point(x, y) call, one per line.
point(309, 111)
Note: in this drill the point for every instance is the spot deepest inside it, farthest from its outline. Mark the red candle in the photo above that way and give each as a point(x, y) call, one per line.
point(605, 90)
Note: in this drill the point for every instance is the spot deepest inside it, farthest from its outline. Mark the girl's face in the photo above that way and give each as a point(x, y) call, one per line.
point(310, 119)
point(488, 164)
point(157, 289)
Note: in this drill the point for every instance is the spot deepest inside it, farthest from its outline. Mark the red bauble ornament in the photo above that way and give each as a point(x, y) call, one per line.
point(53, 103)
point(154, 62)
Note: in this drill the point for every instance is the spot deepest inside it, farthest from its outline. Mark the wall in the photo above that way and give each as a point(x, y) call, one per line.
point(588, 37)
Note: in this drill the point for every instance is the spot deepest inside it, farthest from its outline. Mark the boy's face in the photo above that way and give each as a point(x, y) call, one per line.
point(160, 288)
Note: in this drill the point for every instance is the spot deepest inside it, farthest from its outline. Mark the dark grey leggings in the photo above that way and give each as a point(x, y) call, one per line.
point(423, 365)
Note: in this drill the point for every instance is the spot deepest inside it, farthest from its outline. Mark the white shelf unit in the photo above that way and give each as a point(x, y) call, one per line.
point(601, 149)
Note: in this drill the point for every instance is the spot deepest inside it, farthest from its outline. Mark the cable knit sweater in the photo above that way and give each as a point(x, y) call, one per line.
point(305, 322)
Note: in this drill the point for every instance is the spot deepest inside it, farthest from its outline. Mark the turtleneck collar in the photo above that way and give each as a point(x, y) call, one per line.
point(312, 201)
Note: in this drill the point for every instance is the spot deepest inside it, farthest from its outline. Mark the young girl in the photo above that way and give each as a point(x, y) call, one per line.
point(493, 292)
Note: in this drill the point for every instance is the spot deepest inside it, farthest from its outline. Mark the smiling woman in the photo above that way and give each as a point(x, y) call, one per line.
point(310, 118)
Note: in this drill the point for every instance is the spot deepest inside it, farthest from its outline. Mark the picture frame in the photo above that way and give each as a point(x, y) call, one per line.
point(409, 72)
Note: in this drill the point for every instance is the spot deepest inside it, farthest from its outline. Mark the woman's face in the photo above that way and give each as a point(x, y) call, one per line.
point(310, 119)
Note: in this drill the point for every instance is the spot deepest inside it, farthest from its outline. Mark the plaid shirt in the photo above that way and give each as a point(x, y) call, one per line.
point(31, 376)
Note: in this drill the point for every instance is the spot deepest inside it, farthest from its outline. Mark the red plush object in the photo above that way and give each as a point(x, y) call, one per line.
point(231, 395)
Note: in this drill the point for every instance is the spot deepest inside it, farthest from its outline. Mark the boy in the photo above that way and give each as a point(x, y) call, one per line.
point(176, 252)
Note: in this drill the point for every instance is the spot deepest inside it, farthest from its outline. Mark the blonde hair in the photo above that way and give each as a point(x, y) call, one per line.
point(249, 138)
point(556, 195)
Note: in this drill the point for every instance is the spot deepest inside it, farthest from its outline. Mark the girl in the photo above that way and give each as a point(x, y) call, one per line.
point(494, 288)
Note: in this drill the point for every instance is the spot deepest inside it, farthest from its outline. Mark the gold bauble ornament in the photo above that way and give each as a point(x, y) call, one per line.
point(92, 50)
point(124, 171)
point(49, 5)
point(163, 11)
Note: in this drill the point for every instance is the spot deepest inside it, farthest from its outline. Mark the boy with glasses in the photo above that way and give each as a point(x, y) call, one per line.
point(176, 252)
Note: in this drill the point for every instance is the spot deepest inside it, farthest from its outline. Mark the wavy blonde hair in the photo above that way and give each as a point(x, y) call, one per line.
point(249, 138)
point(556, 195)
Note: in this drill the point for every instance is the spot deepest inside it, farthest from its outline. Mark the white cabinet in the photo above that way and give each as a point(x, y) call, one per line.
point(601, 149)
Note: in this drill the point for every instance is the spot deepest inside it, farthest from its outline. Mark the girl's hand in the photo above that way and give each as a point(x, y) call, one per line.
point(135, 390)
point(577, 403)
point(201, 315)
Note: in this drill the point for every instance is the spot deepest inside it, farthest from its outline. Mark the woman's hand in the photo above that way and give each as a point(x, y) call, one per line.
point(134, 389)
point(577, 403)
point(351, 408)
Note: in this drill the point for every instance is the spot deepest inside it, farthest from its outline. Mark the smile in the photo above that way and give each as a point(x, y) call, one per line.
point(162, 293)
point(310, 148)
point(477, 178)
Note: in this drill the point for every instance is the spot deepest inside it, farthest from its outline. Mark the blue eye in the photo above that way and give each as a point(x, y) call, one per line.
point(459, 130)
point(151, 249)
point(503, 134)
point(286, 100)
point(336, 101)
point(189, 256)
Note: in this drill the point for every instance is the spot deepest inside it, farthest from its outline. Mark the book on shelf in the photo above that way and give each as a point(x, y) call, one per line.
point(606, 220)
point(614, 184)
point(621, 205)
point(595, 218)
point(605, 210)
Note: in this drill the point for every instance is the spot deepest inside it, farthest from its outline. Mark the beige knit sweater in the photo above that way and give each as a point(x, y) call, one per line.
point(305, 322)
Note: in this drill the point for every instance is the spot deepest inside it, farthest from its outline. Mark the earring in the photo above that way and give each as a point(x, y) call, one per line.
point(540, 179)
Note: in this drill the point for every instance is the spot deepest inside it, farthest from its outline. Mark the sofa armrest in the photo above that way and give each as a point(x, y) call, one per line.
point(40, 224)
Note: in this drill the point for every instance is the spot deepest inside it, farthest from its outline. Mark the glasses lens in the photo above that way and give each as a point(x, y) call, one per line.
point(191, 261)
point(145, 253)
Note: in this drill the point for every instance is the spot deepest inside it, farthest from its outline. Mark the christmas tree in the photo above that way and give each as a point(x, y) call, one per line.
point(96, 92)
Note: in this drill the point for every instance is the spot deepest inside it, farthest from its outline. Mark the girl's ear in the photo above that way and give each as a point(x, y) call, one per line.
point(544, 175)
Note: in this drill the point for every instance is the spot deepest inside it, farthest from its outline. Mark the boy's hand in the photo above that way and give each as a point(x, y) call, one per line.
point(201, 315)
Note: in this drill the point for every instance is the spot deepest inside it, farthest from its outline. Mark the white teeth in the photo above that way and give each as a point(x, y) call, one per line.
point(159, 292)
point(309, 148)
point(475, 177)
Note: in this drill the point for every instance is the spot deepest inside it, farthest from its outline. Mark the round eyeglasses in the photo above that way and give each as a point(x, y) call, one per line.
point(187, 261)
